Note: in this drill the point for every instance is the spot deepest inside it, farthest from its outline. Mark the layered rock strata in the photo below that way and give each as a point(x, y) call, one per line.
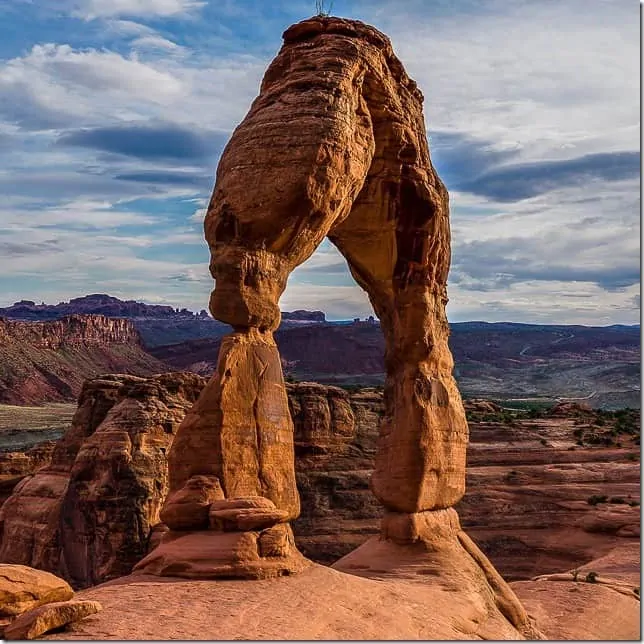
point(88, 514)
point(334, 146)
point(49, 361)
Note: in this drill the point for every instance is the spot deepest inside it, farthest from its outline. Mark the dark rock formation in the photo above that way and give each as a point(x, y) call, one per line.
point(88, 514)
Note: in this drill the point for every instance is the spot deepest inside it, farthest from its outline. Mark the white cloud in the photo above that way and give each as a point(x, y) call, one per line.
point(198, 215)
point(156, 42)
point(546, 303)
point(549, 80)
point(537, 75)
point(57, 86)
point(92, 9)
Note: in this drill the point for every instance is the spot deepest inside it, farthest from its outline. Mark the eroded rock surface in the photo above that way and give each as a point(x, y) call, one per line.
point(88, 514)
point(526, 505)
point(339, 127)
point(358, 172)
point(23, 588)
point(49, 361)
point(41, 620)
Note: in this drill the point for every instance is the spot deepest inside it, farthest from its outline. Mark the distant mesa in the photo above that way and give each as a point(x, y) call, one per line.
point(102, 304)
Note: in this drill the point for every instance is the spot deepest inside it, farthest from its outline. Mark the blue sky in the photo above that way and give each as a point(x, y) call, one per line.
point(113, 114)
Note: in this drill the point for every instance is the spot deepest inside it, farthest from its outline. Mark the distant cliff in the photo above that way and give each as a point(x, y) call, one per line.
point(48, 361)
point(157, 324)
point(97, 304)
point(500, 360)
point(74, 330)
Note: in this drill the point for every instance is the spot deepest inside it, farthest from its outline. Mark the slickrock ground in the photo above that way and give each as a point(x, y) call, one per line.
point(322, 603)
point(604, 609)
point(318, 603)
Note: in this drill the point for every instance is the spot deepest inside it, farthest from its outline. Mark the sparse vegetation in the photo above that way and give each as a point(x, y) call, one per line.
point(351, 388)
point(597, 498)
point(608, 428)
point(322, 9)
point(591, 577)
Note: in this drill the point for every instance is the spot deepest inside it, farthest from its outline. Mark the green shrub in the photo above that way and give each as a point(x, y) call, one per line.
point(597, 498)
point(591, 577)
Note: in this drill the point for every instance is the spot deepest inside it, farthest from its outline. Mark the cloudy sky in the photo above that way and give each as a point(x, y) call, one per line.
point(113, 114)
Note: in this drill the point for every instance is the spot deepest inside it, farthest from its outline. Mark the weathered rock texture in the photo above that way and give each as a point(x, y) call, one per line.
point(334, 146)
point(14, 466)
point(23, 588)
point(339, 127)
point(43, 619)
point(88, 514)
point(325, 604)
point(49, 361)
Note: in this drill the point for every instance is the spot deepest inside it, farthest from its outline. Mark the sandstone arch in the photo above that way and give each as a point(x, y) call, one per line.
point(334, 146)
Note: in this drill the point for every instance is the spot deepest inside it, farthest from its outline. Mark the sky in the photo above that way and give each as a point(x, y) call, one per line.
point(113, 114)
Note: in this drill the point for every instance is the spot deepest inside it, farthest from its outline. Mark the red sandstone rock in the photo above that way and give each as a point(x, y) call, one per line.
point(187, 509)
point(23, 588)
point(350, 158)
point(240, 430)
point(36, 622)
point(89, 513)
point(526, 504)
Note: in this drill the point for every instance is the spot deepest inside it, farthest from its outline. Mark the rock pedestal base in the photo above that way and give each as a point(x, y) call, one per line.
point(246, 538)
point(431, 547)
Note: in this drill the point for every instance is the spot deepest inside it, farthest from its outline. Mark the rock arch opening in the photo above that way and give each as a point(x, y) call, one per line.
point(334, 146)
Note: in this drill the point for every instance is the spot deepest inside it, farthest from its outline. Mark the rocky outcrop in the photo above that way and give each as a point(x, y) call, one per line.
point(353, 164)
point(95, 304)
point(23, 588)
point(49, 361)
point(14, 466)
point(532, 508)
point(50, 617)
point(157, 324)
point(303, 316)
point(89, 513)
